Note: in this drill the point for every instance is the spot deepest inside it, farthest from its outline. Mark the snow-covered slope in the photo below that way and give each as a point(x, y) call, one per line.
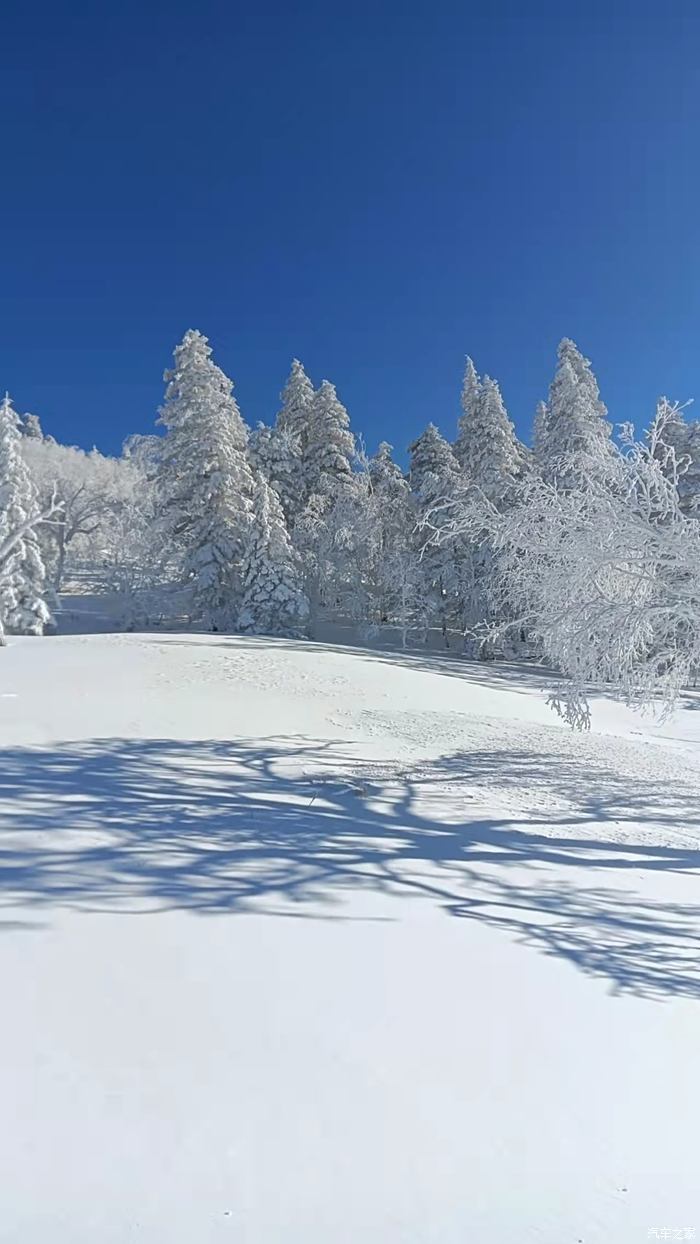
point(308, 943)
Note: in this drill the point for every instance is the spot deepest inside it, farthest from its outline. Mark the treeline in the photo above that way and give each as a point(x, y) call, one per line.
point(269, 530)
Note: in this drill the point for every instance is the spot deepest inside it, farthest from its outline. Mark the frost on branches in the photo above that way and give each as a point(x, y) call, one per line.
point(206, 481)
point(23, 608)
point(605, 576)
point(274, 601)
point(684, 438)
point(584, 550)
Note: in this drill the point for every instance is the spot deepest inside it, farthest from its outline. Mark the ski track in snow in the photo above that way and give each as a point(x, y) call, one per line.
point(312, 943)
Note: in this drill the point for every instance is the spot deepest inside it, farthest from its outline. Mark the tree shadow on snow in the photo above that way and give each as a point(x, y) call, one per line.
point(293, 826)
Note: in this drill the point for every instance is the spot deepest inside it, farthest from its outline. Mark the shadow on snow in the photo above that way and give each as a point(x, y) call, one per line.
point(293, 825)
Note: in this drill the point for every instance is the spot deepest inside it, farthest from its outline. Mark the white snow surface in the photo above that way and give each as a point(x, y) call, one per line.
point(324, 945)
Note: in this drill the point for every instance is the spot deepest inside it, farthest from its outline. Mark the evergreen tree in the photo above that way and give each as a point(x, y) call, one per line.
point(327, 522)
point(492, 456)
point(23, 608)
point(389, 488)
point(206, 481)
point(435, 479)
point(434, 471)
point(471, 397)
point(274, 601)
point(278, 451)
point(297, 399)
point(389, 543)
point(329, 445)
point(576, 436)
point(277, 455)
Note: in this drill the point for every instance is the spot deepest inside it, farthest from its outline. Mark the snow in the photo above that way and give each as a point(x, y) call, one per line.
point(319, 943)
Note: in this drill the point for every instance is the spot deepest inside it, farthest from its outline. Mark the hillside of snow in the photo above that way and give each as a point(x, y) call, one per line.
point(315, 943)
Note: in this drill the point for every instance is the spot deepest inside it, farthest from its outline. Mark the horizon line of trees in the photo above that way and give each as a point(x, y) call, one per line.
point(583, 549)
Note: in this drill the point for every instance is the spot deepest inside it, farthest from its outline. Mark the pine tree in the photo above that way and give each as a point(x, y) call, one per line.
point(277, 455)
point(389, 541)
point(274, 601)
point(297, 399)
point(576, 437)
point(389, 486)
point(329, 445)
point(491, 454)
point(23, 608)
point(206, 481)
point(435, 478)
point(278, 451)
point(471, 396)
point(434, 471)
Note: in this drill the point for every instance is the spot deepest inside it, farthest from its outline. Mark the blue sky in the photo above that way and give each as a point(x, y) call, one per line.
point(378, 189)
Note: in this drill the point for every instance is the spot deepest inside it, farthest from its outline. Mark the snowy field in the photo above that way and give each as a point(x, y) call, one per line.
point(319, 945)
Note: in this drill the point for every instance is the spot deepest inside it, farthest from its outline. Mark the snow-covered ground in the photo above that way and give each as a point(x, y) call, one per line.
point(322, 945)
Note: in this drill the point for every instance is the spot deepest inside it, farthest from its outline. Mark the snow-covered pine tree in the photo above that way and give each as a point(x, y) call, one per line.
point(435, 478)
point(389, 487)
point(297, 399)
point(576, 436)
point(329, 445)
point(389, 543)
point(327, 531)
point(206, 481)
point(23, 608)
point(274, 601)
point(277, 455)
point(277, 451)
point(433, 470)
point(490, 452)
point(471, 396)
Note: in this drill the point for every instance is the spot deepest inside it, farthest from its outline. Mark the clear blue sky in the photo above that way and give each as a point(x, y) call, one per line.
point(375, 188)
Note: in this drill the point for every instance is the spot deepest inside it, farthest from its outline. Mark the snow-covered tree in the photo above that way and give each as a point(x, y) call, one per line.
point(277, 455)
point(489, 450)
point(389, 543)
point(23, 607)
point(145, 452)
point(31, 427)
point(89, 486)
point(294, 415)
point(683, 437)
point(604, 574)
point(332, 538)
point(329, 444)
point(329, 528)
point(471, 397)
point(435, 478)
point(575, 437)
point(434, 471)
point(390, 492)
point(274, 601)
point(278, 451)
point(206, 480)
